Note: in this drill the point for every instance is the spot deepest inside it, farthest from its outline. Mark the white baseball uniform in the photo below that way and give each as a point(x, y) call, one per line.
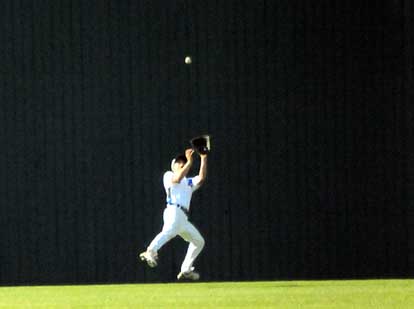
point(176, 220)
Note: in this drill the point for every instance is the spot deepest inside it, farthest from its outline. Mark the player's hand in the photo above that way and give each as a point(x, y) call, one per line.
point(189, 154)
point(203, 156)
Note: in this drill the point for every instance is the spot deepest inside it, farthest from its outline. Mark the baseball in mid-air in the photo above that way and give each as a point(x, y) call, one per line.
point(188, 60)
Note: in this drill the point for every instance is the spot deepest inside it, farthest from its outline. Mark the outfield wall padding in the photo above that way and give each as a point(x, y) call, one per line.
point(309, 106)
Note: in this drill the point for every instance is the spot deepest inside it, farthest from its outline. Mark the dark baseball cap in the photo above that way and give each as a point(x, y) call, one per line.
point(180, 158)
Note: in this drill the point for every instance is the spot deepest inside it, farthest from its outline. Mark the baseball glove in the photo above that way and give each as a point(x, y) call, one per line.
point(201, 144)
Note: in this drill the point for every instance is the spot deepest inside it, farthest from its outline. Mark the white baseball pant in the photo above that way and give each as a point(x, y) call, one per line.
point(176, 223)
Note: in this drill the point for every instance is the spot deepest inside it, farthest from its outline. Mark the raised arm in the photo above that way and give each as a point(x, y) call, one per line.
point(183, 171)
point(202, 174)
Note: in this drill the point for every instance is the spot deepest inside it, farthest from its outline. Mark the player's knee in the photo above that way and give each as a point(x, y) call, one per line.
point(200, 242)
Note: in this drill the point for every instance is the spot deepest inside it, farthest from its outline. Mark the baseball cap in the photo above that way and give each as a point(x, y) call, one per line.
point(180, 158)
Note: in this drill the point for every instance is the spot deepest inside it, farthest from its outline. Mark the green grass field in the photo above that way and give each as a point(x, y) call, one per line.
point(283, 294)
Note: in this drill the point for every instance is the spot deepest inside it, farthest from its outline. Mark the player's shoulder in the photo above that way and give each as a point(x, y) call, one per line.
point(167, 178)
point(168, 174)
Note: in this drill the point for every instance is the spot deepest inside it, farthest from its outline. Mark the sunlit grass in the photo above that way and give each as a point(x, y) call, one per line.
point(284, 294)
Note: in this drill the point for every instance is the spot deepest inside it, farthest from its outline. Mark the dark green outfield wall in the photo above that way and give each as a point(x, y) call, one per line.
point(310, 109)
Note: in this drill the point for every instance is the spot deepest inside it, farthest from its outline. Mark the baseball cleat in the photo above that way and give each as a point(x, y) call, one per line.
point(150, 257)
point(192, 275)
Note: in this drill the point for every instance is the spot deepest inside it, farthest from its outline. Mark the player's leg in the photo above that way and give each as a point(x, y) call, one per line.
point(170, 229)
point(196, 244)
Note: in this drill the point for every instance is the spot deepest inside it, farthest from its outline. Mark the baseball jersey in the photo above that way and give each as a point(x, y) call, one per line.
point(180, 193)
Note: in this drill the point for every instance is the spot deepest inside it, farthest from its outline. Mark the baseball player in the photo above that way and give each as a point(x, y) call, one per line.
point(179, 190)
